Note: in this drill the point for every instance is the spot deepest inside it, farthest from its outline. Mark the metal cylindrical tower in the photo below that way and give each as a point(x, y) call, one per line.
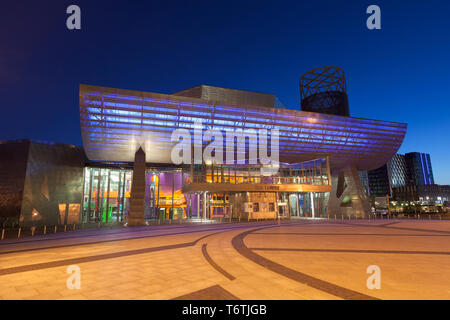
point(323, 90)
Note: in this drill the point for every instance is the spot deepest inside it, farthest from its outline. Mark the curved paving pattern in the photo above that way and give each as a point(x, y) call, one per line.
point(213, 264)
point(238, 244)
point(294, 260)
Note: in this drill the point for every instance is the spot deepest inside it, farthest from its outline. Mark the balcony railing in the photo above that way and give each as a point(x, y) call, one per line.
point(314, 172)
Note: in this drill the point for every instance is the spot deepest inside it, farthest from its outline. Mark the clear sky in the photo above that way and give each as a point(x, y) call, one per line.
point(400, 73)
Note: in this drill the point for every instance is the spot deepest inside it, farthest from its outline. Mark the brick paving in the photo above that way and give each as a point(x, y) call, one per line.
point(295, 260)
point(211, 293)
point(341, 292)
point(214, 264)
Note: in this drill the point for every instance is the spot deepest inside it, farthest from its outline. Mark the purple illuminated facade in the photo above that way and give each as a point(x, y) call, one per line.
point(115, 122)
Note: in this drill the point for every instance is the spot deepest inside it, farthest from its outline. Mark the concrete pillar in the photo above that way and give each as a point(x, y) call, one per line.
point(313, 211)
point(137, 201)
point(347, 196)
point(198, 195)
point(204, 205)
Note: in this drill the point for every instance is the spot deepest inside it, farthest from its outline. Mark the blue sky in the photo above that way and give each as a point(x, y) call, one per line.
point(400, 73)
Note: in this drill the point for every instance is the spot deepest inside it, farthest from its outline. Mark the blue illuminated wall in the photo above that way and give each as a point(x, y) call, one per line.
point(115, 122)
point(419, 168)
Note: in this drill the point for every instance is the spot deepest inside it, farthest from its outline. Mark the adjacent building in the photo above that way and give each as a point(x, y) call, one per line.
point(407, 178)
point(41, 181)
point(395, 173)
point(419, 172)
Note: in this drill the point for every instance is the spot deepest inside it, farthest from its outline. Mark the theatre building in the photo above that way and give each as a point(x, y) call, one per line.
point(124, 172)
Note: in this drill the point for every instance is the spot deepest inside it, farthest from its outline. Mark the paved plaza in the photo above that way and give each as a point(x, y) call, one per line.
point(305, 259)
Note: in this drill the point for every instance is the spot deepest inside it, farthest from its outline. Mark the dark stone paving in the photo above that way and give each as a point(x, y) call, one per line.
point(215, 265)
point(217, 292)
point(65, 262)
point(125, 237)
point(212, 293)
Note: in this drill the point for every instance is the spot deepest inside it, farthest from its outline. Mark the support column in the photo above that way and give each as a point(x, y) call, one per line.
point(122, 200)
point(157, 199)
point(173, 193)
point(91, 179)
point(347, 196)
point(107, 196)
point(97, 207)
point(289, 206)
point(188, 204)
point(204, 205)
point(198, 195)
point(137, 201)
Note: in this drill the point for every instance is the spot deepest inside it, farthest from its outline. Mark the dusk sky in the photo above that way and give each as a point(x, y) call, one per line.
point(399, 73)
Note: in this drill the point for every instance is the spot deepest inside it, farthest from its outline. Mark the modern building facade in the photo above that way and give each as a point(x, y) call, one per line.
point(41, 182)
point(379, 181)
point(408, 170)
point(419, 168)
point(125, 172)
point(398, 171)
point(391, 175)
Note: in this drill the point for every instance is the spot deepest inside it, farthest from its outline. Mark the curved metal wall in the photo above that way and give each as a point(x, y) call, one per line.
point(115, 122)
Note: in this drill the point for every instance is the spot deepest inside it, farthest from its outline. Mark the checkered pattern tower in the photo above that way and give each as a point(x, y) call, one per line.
point(323, 90)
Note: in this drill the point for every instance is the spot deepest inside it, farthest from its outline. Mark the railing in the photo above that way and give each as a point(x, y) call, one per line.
point(314, 172)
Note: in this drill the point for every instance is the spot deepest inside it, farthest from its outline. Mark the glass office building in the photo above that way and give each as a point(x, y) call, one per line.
point(410, 169)
point(419, 168)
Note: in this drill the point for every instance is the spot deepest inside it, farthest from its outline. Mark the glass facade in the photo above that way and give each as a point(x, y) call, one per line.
point(314, 172)
point(419, 168)
point(307, 204)
point(169, 201)
point(413, 168)
point(249, 191)
point(364, 177)
point(379, 182)
point(106, 194)
point(398, 171)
